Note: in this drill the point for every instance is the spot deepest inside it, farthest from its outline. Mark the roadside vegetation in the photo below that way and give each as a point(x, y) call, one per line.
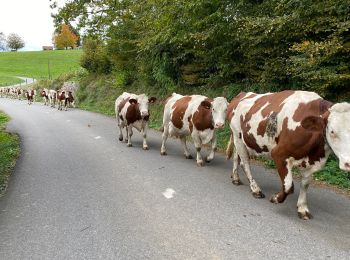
point(9, 152)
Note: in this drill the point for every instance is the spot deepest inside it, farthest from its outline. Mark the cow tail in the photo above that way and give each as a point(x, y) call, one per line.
point(230, 147)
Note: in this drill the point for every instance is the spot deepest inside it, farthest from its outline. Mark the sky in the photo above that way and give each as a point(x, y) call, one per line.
point(30, 19)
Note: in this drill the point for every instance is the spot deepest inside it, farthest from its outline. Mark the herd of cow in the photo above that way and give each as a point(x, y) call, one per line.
point(293, 128)
point(64, 97)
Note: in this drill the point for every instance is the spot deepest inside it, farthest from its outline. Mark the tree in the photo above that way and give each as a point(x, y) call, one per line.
point(66, 38)
point(3, 43)
point(14, 42)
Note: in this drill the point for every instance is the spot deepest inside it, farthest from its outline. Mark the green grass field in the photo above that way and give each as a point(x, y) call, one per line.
point(34, 64)
point(9, 152)
point(8, 80)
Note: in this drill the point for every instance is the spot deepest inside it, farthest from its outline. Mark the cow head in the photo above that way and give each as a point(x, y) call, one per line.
point(338, 133)
point(143, 102)
point(43, 93)
point(218, 108)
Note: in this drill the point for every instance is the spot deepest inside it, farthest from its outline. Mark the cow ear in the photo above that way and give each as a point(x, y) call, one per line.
point(132, 101)
point(313, 123)
point(152, 99)
point(206, 104)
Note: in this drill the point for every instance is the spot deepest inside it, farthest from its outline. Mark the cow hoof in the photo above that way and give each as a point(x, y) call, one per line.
point(129, 145)
point(305, 215)
point(188, 156)
point(145, 148)
point(274, 198)
point(200, 163)
point(208, 160)
point(258, 195)
point(163, 153)
point(237, 182)
point(121, 139)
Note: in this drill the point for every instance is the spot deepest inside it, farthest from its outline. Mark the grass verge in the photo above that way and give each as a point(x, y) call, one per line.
point(9, 152)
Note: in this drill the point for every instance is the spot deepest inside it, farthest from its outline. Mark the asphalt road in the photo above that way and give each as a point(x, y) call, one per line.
point(78, 193)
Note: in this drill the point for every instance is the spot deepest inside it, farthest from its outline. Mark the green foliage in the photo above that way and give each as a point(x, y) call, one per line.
point(95, 58)
point(289, 44)
point(333, 175)
point(9, 152)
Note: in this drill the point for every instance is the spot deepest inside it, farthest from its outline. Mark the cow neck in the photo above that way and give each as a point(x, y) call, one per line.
point(203, 119)
point(325, 118)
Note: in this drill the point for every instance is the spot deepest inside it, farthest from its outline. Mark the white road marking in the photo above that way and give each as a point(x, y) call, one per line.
point(98, 137)
point(168, 193)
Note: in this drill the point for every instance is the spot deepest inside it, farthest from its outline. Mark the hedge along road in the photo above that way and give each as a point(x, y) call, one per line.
point(78, 193)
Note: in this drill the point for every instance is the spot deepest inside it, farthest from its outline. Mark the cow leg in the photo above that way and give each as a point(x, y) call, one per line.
point(243, 154)
point(144, 136)
point(129, 132)
point(164, 138)
point(198, 144)
point(184, 145)
point(119, 126)
point(284, 168)
point(303, 211)
point(211, 155)
point(234, 176)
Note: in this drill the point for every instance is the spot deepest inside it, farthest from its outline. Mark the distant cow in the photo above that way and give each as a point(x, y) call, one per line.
point(52, 97)
point(70, 99)
point(2, 91)
point(45, 95)
point(62, 99)
point(132, 111)
point(19, 93)
point(30, 93)
point(197, 116)
point(295, 129)
point(65, 98)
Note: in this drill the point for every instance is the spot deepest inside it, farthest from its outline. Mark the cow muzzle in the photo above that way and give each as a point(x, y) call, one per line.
point(144, 114)
point(345, 167)
point(219, 125)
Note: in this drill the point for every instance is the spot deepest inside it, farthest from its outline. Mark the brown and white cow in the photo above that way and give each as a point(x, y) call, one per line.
point(19, 93)
point(131, 110)
point(197, 116)
point(70, 99)
point(62, 97)
point(30, 93)
point(295, 129)
point(52, 97)
point(45, 95)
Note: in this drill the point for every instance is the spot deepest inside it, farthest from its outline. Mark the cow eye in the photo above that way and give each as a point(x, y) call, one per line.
point(333, 134)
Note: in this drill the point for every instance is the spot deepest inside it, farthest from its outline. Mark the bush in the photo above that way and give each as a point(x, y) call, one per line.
point(95, 57)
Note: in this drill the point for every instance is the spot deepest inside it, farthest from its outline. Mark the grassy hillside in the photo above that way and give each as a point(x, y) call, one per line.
point(34, 64)
point(9, 151)
point(8, 80)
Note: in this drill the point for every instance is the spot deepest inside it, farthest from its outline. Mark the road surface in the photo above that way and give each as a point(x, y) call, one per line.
point(78, 193)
